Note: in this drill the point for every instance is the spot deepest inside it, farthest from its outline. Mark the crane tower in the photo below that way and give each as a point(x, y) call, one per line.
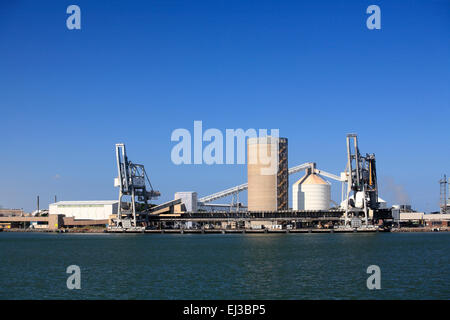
point(132, 181)
point(361, 182)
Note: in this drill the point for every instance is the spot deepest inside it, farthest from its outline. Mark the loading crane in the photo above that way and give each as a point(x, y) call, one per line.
point(443, 197)
point(132, 181)
point(361, 178)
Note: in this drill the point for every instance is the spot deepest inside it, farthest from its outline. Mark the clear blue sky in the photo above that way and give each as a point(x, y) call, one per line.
point(137, 70)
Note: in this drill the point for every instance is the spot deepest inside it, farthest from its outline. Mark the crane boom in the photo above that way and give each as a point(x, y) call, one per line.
point(132, 181)
point(328, 175)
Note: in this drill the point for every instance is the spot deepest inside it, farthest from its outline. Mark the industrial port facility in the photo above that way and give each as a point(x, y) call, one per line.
point(360, 208)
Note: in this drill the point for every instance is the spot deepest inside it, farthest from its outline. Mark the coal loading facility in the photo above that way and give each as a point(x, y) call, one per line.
point(267, 207)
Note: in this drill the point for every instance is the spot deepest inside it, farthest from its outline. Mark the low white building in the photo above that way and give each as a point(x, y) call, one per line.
point(436, 217)
point(397, 215)
point(189, 198)
point(85, 210)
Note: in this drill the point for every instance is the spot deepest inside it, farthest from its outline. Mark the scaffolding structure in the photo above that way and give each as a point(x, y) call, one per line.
point(443, 194)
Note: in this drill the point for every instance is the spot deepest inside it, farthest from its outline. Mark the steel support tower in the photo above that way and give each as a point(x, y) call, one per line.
point(361, 178)
point(443, 196)
point(131, 181)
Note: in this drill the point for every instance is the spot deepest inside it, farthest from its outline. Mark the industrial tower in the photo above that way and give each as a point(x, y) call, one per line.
point(443, 196)
point(361, 180)
point(131, 181)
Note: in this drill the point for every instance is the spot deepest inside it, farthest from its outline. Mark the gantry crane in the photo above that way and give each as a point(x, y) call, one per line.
point(443, 198)
point(132, 181)
point(361, 178)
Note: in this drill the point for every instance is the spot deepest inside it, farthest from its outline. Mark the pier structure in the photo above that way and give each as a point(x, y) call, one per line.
point(251, 221)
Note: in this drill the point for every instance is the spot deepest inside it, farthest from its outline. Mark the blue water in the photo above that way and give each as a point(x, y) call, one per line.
point(241, 266)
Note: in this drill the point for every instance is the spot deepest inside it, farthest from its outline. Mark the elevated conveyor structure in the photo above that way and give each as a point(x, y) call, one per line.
point(234, 191)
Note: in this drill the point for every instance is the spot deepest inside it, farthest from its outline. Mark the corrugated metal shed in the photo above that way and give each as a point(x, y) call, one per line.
point(87, 210)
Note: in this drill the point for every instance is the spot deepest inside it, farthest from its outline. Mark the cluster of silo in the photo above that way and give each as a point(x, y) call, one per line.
point(268, 179)
point(267, 172)
point(311, 192)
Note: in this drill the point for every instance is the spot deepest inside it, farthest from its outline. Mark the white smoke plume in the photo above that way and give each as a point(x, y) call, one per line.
point(396, 192)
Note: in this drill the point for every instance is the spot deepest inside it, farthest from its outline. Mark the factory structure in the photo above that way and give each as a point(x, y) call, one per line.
point(267, 174)
point(360, 207)
point(85, 210)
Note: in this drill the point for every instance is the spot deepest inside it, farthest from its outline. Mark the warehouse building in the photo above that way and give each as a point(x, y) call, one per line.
point(407, 218)
point(420, 218)
point(85, 210)
point(437, 220)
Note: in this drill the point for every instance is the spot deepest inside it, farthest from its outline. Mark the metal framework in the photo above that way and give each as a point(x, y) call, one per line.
point(443, 194)
point(224, 193)
point(131, 181)
point(361, 177)
point(244, 186)
point(234, 191)
point(282, 175)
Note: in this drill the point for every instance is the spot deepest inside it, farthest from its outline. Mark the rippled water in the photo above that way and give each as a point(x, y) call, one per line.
point(217, 266)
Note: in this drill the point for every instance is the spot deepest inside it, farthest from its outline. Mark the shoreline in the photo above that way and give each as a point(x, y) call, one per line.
point(227, 231)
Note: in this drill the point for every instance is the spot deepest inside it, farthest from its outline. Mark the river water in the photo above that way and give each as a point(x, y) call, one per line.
point(225, 266)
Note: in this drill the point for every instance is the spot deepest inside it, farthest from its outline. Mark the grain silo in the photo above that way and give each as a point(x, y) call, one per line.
point(311, 192)
point(267, 172)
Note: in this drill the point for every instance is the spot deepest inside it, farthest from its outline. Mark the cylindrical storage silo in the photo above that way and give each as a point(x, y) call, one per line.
point(311, 193)
point(267, 175)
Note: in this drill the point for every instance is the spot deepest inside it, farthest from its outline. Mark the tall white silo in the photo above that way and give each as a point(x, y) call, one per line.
point(311, 192)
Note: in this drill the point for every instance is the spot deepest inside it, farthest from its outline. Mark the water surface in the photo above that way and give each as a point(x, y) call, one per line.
point(229, 266)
